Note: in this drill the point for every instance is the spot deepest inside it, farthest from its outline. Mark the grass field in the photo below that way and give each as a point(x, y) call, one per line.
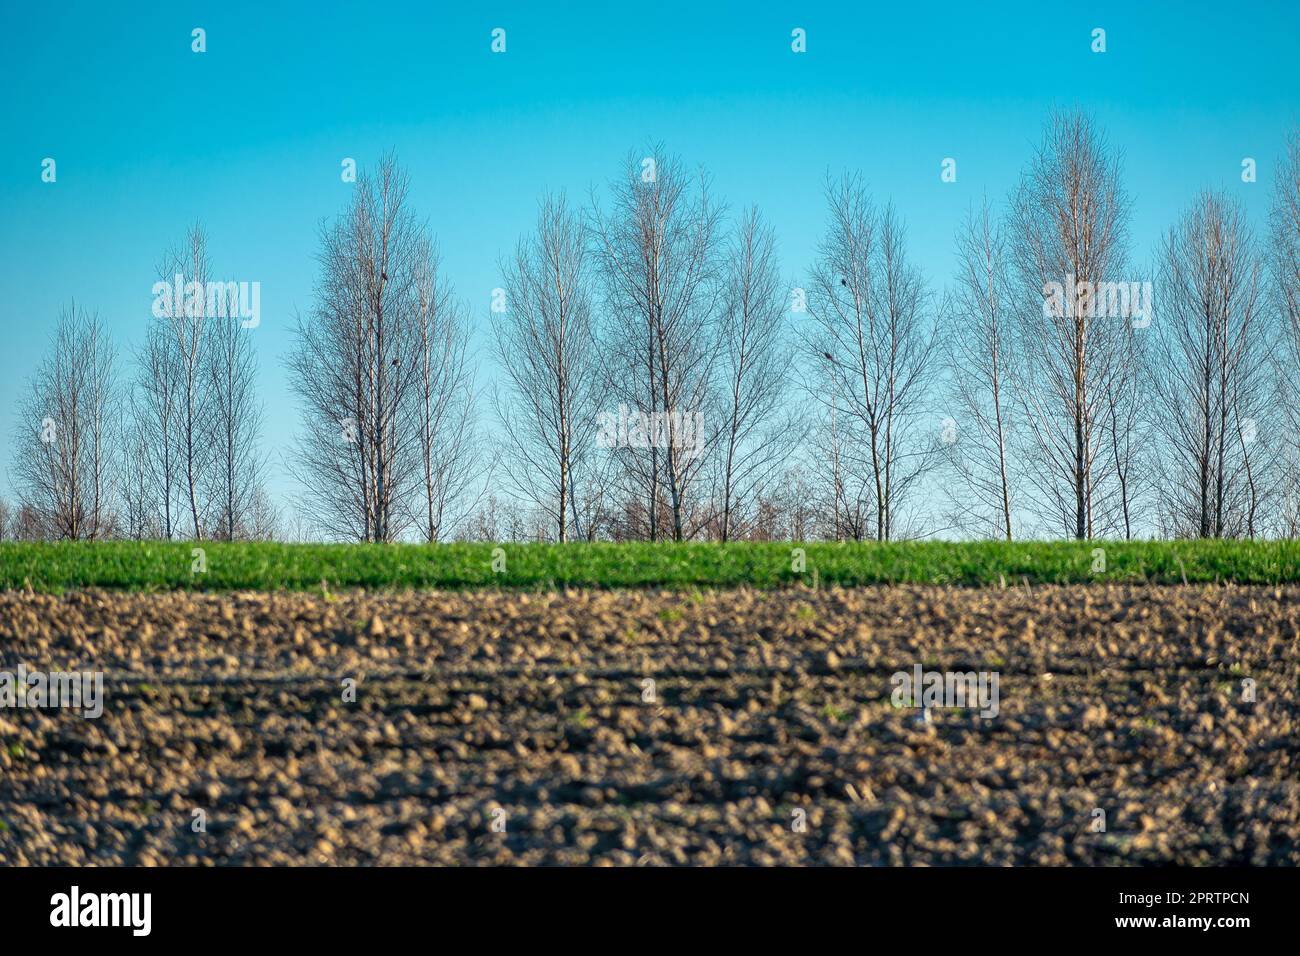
point(150, 566)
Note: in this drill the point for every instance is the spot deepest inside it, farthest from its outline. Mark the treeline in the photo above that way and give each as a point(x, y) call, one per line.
point(164, 445)
point(654, 377)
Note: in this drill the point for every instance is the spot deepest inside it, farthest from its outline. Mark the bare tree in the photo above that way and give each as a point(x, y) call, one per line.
point(657, 252)
point(442, 399)
point(65, 458)
point(262, 521)
point(6, 520)
point(874, 355)
point(799, 506)
point(154, 414)
point(27, 524)
point(1284, 221)
point(1124, 430)
point(1069, 232)
point(183, 315)
point(841, 482)
point(236, 465)
point(141, 516)
point(508, 520)
point(1213, 380)
point(757, 429)
point(356, 365)
point(546, 346)
point(981, 361)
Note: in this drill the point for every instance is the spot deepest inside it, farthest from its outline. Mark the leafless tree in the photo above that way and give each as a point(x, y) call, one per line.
point(787, 510)
point(142, 516)
point(595, 498)
point(1284, 224)
point(366, 369)
point(1068, 223)
point(64, 450)
point(6, 520)
point(185, 322)
point(758, 429)
point(154, 415)
point(982, 367)
point(1212, 381)
point(28, 525)
point(442, 400)
point(546, 347)
point(874, 355)
point(505, 520)
point(841, 481)
point(1284, 220)
point(1124, 430)
point(656, 248)
point(262, 521)
point(236, 465)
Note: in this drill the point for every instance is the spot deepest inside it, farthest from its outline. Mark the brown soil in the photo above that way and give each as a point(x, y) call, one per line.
point(1127, 699)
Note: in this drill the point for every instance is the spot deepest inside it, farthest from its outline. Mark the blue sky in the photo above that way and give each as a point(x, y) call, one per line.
point(248, 137)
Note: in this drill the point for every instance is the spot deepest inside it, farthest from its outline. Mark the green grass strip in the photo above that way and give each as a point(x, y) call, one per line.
point(154, 566)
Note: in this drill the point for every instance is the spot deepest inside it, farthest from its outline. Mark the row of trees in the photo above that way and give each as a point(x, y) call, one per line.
point(656, 378)
point(1089, 419)
point(172, 451)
